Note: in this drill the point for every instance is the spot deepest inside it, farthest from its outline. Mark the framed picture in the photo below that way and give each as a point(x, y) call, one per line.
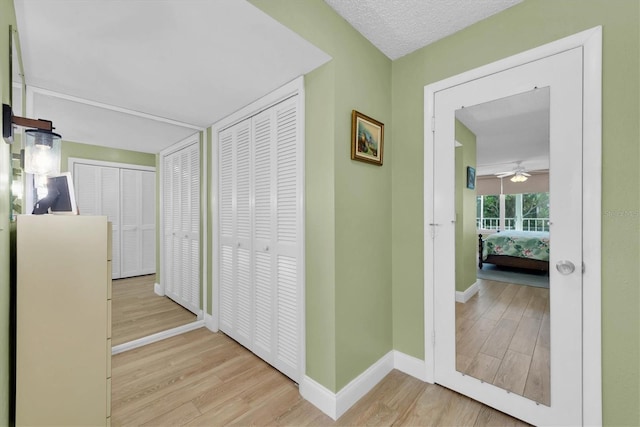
point(471, 178)
point(367, 139)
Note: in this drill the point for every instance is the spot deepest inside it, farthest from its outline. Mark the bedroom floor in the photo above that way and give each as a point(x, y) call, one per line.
point(502, 337)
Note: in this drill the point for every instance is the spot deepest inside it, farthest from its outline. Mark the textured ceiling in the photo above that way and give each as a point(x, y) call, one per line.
point(398, 27)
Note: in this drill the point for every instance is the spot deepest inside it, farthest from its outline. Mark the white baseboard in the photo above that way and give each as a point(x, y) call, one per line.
point(336, 404)
point(319, 396)
point(465, 296)
point(157, 337)
point(363, 384)
point(211, 322)
point(158, 289)
point(410, 365)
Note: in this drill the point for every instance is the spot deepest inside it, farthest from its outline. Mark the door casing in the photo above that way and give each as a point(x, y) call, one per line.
point(590, 41)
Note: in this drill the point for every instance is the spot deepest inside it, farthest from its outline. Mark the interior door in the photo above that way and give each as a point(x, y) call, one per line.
point(562, 75)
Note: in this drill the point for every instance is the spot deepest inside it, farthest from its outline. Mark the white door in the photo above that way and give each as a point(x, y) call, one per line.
point(260, 237)
point(98, 193)
point(138, 194)
point(181, 227)
point(562, 75)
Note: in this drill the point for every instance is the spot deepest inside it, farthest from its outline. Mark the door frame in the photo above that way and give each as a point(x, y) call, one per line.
point(591, 43)
point(293, 88)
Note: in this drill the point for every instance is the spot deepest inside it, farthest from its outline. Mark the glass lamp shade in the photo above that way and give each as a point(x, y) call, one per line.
point(518, 178)
point(42, 152)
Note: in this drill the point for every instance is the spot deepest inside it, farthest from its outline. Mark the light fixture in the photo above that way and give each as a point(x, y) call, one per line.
point(518, 177)
point(41, 145)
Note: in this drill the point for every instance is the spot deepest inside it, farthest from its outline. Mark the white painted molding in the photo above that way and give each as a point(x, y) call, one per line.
point(465, 296)
point(72, 161)
point(334, 405)
point(363, 384)
point(210, 322)
point(50, 93)
point(157, 337)
point(410, 365)
point(319, 396)
point(157, 289)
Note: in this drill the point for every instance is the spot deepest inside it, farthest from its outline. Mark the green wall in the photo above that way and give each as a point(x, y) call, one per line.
point(7, 18)
point(105, 154)
point(348, 203)
point(525, 26)
point(466, 234)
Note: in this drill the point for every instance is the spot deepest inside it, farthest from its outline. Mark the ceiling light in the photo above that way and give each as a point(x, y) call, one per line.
point(518, 177)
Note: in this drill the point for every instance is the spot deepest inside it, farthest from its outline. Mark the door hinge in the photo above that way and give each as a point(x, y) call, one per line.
point(433, 124)
point(433, 338)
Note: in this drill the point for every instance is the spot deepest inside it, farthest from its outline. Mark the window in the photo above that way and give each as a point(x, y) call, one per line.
point(525, 212)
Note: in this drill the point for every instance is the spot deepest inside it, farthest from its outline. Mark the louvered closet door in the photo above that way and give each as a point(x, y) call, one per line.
point(236, 310)
point(98, 193)
point(130, 211)
point(260, 284)
point(181, 210)
point(138, 195)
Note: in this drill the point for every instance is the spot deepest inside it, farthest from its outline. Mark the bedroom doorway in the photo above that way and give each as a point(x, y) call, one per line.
point(513, 346)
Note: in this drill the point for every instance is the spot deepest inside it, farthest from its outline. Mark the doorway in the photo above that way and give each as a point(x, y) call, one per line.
point(490, 356)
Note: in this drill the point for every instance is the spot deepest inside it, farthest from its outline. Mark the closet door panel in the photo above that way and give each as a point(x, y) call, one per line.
point(98, 193)
point(226, 193)
point(181, 196)
point(130, 220)
point(110, 206)
point(148, 222)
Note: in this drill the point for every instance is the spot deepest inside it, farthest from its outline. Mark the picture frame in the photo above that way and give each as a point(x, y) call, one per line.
point(471, 178)
point(367, 139)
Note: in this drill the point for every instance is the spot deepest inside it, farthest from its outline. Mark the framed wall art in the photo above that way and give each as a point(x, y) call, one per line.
point(367, 139)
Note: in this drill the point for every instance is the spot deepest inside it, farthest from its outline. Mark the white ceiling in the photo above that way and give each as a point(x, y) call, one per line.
point(190, 61)
point(510, 130)
point(143, 75)
point(399, 27)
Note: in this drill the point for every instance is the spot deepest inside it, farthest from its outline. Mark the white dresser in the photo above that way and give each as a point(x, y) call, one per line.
point(63, 360)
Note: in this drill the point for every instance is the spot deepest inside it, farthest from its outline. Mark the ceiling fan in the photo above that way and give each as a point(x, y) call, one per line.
point(519, 173)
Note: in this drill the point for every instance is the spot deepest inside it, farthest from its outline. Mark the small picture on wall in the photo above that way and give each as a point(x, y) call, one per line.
point(367, 139)
point(471, 178)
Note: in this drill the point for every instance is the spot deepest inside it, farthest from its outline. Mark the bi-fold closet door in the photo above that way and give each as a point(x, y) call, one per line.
point(260, 283)
point(127, 197)
point(181, 226)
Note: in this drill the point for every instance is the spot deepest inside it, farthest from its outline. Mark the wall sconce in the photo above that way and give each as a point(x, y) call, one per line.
point(42, 145)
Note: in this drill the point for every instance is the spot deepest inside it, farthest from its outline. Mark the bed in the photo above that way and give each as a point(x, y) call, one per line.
point(519, 249)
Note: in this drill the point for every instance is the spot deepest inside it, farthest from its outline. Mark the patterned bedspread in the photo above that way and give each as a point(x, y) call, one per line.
point(521, 244)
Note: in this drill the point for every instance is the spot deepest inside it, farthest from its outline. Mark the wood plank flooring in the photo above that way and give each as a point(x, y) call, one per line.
point(206, 379)
point(136, 311)
point(502, 337)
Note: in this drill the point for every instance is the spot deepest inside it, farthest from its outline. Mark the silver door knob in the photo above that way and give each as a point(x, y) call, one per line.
point(565, 267)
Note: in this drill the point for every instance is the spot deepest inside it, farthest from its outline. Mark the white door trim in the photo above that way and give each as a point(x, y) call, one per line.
point(591, 43)
point(293, 88)
point(72, 161)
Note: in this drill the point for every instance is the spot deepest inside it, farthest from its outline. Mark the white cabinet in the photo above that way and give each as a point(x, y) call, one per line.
point(63, 332)
point(126, 195)
point(260, 235)
point(180, 276)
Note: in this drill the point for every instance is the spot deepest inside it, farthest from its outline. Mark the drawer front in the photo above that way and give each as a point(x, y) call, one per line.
point(108, 318)
point(109, 284)
point(108, 397)
point(109, 358)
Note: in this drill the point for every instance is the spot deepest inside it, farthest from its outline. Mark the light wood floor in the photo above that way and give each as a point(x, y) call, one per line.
point(136, 311)
point(502, 337)
point(206, 379)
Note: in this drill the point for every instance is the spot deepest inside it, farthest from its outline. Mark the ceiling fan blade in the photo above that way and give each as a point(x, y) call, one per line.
point(525, 174)
point(504, 174)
